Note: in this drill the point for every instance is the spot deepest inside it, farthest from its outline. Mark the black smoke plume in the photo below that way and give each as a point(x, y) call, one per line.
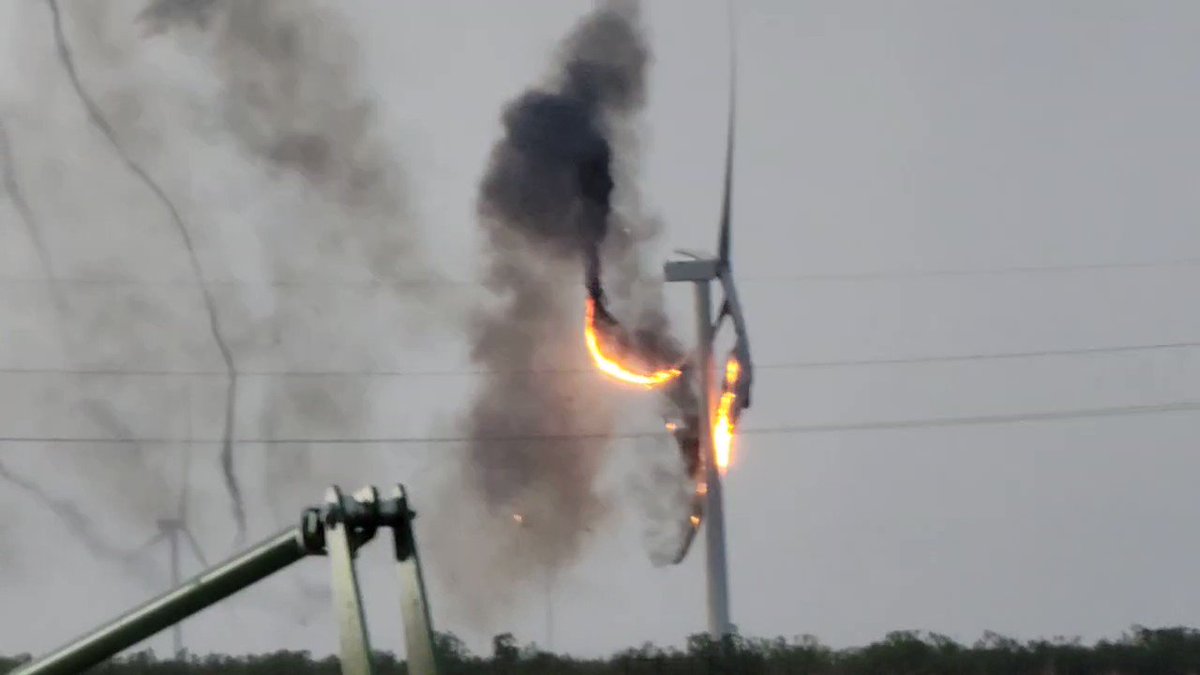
point(546, 206)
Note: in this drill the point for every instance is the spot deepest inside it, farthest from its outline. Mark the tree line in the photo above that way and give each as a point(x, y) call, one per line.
point(1168, 651)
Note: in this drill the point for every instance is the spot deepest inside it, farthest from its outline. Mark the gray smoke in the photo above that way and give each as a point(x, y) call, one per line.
point(77, 319)
point(74, 519)
point(557, 196)
point(16, 195)
point(245, 124)
point(100, 121)
point(290, 101)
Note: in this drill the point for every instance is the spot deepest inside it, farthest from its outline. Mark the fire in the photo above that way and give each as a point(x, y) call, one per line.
point(613, 368)
point(723, 425)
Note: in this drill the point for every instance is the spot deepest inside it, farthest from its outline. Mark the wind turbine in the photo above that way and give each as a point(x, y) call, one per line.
point(175, 529)
point(735, 397)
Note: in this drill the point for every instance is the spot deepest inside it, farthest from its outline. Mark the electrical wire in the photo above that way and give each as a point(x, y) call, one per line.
point(783, 366)
point(832, 427)
point(750, 279)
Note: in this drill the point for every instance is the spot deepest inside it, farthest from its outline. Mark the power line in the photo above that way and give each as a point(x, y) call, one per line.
point(872, 425)
point(968, 272)
point(751, 279)
point(251, 283)
point(981, 356)
point(794, 365)
point(986, 420)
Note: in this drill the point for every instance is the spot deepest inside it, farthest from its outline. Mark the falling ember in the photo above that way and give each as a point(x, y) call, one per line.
point(724, 425)
point(613, 368)
point(518, 519)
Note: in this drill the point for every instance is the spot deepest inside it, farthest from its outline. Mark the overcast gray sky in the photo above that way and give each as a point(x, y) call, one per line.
point(875, 143)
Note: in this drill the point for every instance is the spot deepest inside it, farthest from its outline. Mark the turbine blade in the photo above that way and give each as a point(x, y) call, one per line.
point(723, 243)
point(162, 534)
point(182, 505)
point(695, 519)
point(195, 546)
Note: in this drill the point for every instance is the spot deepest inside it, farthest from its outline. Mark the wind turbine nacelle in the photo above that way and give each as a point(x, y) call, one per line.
point(691, 270)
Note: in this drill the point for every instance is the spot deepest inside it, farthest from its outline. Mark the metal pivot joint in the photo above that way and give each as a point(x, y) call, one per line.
point(338, 528)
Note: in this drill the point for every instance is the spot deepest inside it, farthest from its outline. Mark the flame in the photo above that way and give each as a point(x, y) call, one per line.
point(723, 425)
point(614, 369)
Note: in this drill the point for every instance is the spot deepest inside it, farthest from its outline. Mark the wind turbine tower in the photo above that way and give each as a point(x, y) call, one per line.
point(702, 271)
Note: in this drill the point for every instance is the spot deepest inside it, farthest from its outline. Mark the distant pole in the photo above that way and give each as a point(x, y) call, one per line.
point(523, 526)
point(701, 272)
point(171, 529)
point(174, 526)
point(549, 608)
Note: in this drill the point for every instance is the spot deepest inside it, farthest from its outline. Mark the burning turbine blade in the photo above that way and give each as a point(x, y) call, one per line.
point(692, 525)
point(725, 424)
point(608, 364)
point(724, 433)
